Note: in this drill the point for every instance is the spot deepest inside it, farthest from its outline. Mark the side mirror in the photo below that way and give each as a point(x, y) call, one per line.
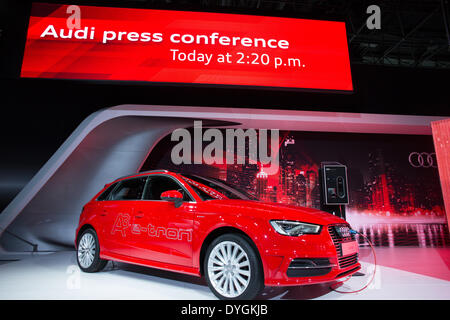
point(173, 195)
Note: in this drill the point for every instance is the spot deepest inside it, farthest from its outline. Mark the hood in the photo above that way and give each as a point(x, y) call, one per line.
point(277, 211)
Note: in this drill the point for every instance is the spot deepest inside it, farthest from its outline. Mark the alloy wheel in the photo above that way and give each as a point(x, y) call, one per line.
point(86, 250)
point(229, 269)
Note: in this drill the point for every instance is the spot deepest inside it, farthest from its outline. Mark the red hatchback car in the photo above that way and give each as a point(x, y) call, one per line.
point(204, 227)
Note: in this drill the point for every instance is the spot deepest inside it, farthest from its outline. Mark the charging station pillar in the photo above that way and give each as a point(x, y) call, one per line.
point(334, 189)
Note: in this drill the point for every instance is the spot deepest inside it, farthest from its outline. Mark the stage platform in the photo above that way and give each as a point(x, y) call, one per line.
point(402, 273)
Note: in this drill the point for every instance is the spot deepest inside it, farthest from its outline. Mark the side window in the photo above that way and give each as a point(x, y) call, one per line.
point(131, 189)
point(105, 195)
point(158, 184)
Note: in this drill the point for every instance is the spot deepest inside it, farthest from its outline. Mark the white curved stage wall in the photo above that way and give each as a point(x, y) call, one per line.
point(114, 142)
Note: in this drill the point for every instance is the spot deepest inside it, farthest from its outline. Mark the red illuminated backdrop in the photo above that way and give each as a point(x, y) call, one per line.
point(158, 46)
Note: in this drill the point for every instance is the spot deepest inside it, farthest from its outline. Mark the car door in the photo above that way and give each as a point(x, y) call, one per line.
point(104, 220)
point(117, 213)
point(162, 232)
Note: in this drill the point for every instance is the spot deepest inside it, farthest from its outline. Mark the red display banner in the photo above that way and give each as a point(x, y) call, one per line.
point(185, 47)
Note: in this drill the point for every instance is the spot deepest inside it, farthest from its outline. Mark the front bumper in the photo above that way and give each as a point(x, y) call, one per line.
point(308, 259)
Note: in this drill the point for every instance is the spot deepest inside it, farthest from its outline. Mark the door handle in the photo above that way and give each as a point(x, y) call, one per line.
point(139, 215)
point(103, 213)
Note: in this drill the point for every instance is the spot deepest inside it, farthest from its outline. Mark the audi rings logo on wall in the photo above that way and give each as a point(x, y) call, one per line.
point(422, 160)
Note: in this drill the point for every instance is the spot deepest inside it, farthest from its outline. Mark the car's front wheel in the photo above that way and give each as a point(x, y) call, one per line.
point(88, 252)
point(232, 268)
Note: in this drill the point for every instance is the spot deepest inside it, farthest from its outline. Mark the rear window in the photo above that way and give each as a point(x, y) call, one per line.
point(131, 189)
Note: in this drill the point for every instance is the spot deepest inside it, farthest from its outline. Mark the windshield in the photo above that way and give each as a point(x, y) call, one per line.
point(215, 189)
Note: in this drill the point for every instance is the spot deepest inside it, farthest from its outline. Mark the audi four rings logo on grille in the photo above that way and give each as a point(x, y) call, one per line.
point(422, 160)
point(343, 231)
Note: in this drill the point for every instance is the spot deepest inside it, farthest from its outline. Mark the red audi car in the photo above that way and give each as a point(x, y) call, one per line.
point(204, 227)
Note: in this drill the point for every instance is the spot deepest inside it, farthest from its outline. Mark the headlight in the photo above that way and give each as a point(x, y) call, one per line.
point(294, 228)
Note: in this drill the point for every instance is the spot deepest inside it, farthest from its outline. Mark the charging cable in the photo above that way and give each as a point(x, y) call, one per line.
point(333, 287)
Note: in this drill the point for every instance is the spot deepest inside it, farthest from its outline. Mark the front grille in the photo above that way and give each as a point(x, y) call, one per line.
point(336, 240)
point(347, 261)
point(347, 272)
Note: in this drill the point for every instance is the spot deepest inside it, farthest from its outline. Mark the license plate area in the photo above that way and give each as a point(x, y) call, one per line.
point(349, 248)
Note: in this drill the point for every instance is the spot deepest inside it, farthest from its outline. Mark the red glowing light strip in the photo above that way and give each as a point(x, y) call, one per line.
point(441, 137)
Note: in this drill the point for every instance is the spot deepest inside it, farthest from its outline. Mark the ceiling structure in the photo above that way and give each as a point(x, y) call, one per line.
point(413, 34)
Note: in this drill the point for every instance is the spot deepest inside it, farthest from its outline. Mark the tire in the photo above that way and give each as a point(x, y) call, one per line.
point(238, 278)
point(88, 252)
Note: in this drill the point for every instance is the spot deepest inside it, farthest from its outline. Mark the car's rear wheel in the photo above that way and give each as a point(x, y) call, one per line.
point(232, 268)
point(88, 252)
